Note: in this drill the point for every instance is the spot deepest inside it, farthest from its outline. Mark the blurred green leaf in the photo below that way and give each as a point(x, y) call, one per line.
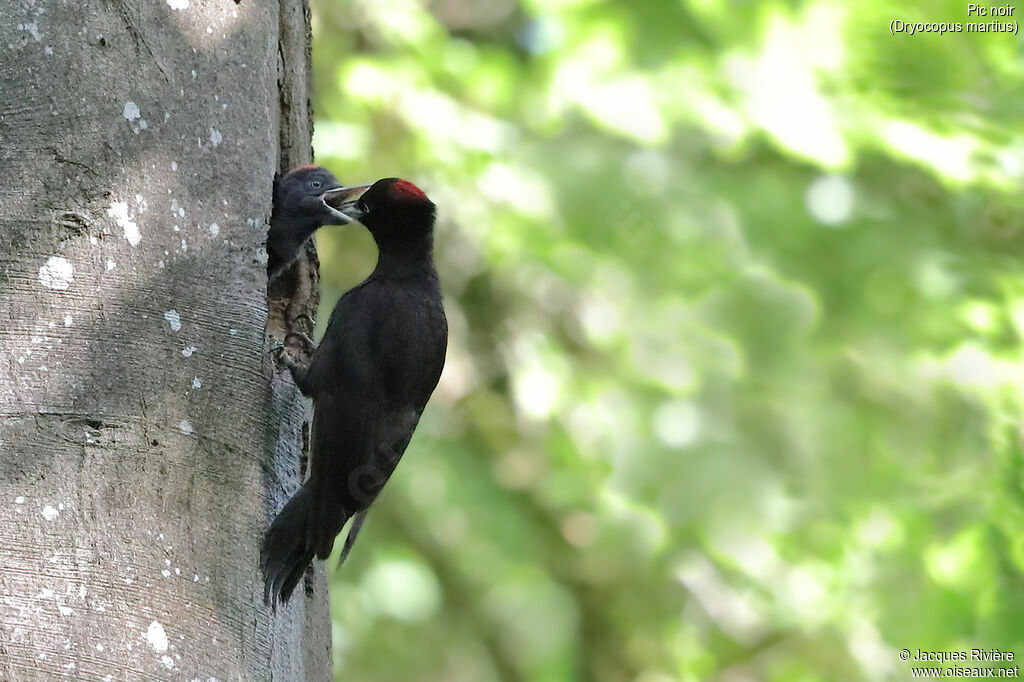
point(733, 385)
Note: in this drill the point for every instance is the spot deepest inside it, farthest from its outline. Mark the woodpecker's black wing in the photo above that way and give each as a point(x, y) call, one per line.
point(379, 360)
point(308, 523)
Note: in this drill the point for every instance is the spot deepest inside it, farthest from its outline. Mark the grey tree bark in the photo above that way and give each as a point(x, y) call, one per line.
point(145, 437)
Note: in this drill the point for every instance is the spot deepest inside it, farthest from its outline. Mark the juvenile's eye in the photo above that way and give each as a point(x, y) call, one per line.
point(316, 184)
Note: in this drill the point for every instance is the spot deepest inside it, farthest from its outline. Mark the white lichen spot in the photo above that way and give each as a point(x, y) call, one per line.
point(68, 320)
point(178, 5)
point(48, 51)
point(177, 571)
point(185, 427)
point(168, 662)
point(214, 229)
point(187, 351)
point(50, 513)
point(20, 499)
point(174, 319)
point(32, 28)
point(156, 636)
point(119, 212)
point(131, 111)
point(196, 383)
point(99, 647)
point(165, 573)
point(184, 246)
point(232, 332)
point(60, 506)
point(215, 137)
point(143, 125)
point(111, 265)
point(64, 610)
point(56, 273)
point(174, 165)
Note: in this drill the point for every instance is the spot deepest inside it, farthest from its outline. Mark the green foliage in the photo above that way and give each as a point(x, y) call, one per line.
point(736, 304)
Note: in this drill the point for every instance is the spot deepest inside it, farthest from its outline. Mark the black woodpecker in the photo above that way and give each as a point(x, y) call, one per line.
point(369, 379)
point(299, 210)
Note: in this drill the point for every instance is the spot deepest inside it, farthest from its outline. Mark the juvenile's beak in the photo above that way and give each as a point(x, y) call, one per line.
point(343, 202)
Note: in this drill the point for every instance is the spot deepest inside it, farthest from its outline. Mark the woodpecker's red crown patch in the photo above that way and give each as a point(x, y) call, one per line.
point(406, 190)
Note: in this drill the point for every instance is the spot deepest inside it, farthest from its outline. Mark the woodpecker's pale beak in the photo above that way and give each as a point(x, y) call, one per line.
point(343, 202)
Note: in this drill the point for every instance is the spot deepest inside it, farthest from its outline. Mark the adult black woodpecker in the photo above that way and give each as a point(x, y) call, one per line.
point(370, 378)
point(299, 210)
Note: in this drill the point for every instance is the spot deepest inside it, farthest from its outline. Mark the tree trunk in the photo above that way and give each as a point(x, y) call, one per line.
point(145, 437)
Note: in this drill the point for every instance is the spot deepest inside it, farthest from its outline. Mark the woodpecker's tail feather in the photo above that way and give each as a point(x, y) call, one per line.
point(303, 529)
point(288, 547)
point(353, 532)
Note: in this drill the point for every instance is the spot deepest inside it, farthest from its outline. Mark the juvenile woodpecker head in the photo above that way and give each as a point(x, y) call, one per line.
point(299, 210)
point(391, 209)
point(299, 198)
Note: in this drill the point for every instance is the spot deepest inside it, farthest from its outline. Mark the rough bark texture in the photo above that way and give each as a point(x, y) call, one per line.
point(145, 437)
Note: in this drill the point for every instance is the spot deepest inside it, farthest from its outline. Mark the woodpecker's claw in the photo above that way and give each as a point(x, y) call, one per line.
point(307, 317)
point(280, 354)
point(297, 369)
point(310, 345)
point(288, 361)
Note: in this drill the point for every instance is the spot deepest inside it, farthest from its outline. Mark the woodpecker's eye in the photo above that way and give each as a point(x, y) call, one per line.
point(315, 184)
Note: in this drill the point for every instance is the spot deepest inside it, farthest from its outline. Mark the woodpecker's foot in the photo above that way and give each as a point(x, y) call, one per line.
point(280, 353)
point(308, 342)
point(298, 369)
point(307, 317)
point(282, 356)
